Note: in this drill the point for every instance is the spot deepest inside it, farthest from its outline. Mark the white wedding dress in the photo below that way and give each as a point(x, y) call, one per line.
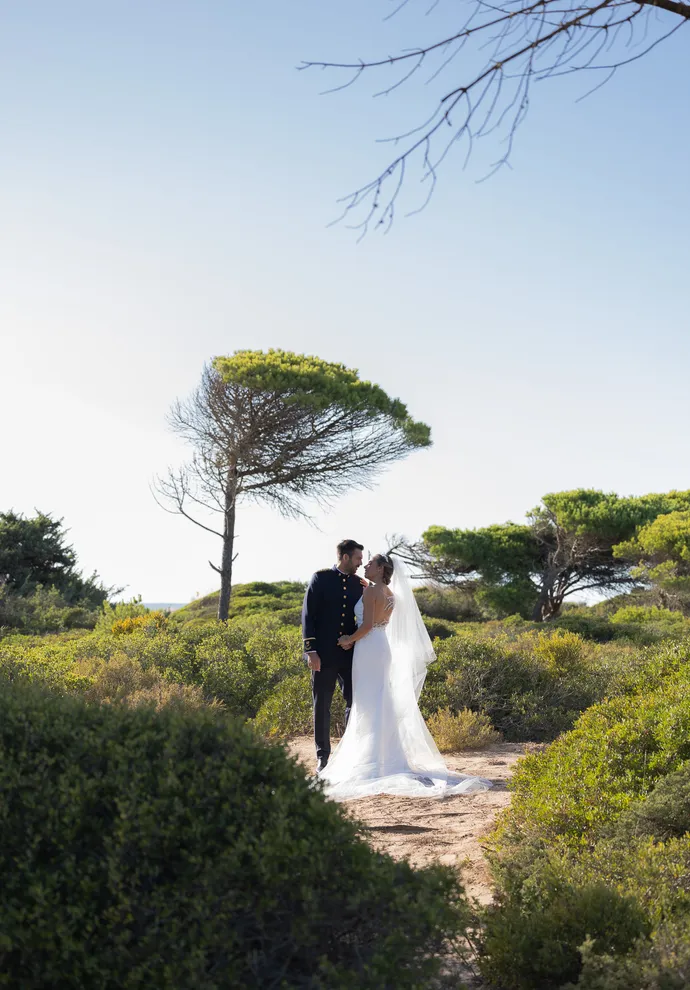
point(387, 748)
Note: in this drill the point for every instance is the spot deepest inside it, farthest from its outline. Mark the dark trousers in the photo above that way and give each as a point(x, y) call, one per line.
point(336, 667)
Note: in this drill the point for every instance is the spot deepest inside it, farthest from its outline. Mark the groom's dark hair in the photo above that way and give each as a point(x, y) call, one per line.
point(346, 547)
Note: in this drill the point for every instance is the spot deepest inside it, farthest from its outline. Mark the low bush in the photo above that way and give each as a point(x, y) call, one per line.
point(122, 680)
point(659, 963)
point(534, 930)
point(151, 623)
point(451, 604)
point(287, 711)
point(45, 610)
point(607, 804)
point(525, 949)
point(664, 814)
point(231, 677)
point(531, 687)
point(466, 730)
point(649, 624)
point(49, 660)
point(531, 683)
point(614, 756)
point(244, 672)
point(166, 650)
point(112, 613)
point(588, 623)
point(170, 849)
point(438, 629)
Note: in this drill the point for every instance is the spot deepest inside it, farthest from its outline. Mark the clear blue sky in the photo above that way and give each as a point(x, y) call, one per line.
point(166, 179)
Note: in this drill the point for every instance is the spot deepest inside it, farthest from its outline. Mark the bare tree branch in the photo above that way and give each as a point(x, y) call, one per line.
point(528, 42)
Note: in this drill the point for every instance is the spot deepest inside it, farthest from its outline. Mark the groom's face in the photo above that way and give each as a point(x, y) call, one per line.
point(352, 562)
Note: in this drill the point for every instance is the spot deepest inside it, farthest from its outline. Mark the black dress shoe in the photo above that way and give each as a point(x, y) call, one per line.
point(321, 765)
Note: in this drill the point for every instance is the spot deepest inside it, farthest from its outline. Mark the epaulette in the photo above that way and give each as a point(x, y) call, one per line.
point(324, 570)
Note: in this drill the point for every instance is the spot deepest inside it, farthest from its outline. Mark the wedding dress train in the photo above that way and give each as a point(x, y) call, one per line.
point(387, 748)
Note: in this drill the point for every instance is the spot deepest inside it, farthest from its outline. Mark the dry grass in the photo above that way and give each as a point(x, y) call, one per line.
point(466, 730)
point(124, 681)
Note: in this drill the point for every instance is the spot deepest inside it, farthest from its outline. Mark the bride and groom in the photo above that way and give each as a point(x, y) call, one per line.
point(368, 637)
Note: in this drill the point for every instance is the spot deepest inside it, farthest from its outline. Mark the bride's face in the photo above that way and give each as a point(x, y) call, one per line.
point(373, 571)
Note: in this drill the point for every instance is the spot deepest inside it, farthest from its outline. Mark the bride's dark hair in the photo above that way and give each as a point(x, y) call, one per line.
point(387, 563)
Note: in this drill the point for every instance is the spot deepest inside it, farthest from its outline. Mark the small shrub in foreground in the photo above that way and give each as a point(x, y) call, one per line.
point(606, 806)
point(466, 730)
point(662, 963)
point(574, 789)
point(175, 850)
point(524, 950)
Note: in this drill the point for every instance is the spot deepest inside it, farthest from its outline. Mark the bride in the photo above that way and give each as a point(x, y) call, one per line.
point(387, 748)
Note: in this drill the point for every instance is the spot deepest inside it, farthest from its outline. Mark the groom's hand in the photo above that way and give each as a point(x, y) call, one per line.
point(313, 661)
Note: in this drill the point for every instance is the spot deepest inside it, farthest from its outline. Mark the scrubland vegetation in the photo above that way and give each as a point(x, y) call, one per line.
point(151, 835)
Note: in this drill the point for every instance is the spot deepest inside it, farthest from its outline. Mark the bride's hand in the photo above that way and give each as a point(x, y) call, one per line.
point(345, 642)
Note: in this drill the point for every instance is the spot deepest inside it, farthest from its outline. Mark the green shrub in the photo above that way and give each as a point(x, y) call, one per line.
point(525, 949)
point(261, 596)
point(451, 604)
point(165, 650)
point(466, 730)
point(664, 814)
point(614, 756)
point(607, 804)
point(170, 850)
point(438, 629)
point(655, 873)
point(238, 662)
point(287, 711)
point(532, 683)
point(45, 610)
point(111, 613)
point(531, 687)
point(242, 672)
point(662, 963)
point(290, 616)
point(277, 650)
point(587, 623)
point(649, 624)
point(648, 877)
point(232, 678)
point(50, 660)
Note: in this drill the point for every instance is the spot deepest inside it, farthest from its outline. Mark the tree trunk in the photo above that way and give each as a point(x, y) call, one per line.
point(662, 598)
point(544, 606)
point(228, 547)
point(540, 610)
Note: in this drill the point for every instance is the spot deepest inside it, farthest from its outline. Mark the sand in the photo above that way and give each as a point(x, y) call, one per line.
point(450, 830)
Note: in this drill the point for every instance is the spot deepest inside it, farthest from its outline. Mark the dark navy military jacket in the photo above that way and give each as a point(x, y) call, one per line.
point(329, 610)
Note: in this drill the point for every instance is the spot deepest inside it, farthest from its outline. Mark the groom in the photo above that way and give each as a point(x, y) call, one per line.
point(327, 614)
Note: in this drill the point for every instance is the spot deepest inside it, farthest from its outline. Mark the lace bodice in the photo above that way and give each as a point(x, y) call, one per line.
point(388, 612)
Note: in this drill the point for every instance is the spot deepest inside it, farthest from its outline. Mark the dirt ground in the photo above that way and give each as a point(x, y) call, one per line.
point(450, 830)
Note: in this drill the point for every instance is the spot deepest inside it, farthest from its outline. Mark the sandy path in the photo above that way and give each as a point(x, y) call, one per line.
point(450, 830)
